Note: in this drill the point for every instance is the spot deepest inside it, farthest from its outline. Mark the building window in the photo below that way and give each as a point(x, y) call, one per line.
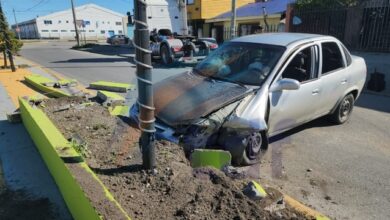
point(59, 21)
point(118, 23)
point(72, 31)
point(45, 30)
point(119, 32)
point(47, 22)
point(67, 21)
point(190, 2)
point(64, 31)
point(82, 30)
point(102, 31)
point(91, 31)
point(102, 22)
point(54, 30)
point(108, 22)
point(87, 23)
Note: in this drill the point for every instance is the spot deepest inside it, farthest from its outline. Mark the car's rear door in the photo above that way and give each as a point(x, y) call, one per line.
point(288, 108)
point(333, 74)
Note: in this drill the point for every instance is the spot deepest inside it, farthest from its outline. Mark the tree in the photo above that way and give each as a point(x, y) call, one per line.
point(15, 43)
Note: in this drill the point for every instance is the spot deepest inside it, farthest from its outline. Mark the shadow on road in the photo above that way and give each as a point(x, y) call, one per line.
point(128, 55)
point(320, 122)
point(94, 60)
point(108, 50)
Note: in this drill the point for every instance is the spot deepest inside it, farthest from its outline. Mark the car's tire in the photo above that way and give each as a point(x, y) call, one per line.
point(343, 110)
point(246, 150)
point(166, 57)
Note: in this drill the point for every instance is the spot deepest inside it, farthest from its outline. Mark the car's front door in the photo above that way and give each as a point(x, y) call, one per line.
point(289, 108)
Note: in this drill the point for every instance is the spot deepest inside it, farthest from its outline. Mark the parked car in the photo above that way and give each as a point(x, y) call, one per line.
point(254, 87)
point(118, 40)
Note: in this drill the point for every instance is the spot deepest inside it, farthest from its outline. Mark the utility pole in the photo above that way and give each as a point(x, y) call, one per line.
point(265, 16)
point(233, 21)
point(4, 29)
point(75, 24)
point(183, 11)
point(17, 25)
point(143, 60)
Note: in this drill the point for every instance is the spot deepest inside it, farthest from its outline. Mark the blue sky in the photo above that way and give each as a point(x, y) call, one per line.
point(29, 9)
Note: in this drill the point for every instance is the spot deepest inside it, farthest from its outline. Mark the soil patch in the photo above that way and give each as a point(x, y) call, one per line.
point(174, 190)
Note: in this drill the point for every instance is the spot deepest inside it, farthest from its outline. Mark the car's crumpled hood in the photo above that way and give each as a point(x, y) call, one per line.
point(188, 96)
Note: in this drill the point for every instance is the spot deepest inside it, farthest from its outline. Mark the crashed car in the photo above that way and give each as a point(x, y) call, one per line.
point(254, 87)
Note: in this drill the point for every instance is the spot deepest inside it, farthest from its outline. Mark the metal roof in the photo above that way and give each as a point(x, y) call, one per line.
point(281, 39)
point(256, 9)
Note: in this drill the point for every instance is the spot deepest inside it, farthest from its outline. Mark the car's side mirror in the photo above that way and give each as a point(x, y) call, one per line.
point(285, 84)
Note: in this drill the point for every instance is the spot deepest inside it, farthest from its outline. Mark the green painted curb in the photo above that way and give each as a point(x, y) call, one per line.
point(120, 110)
point(111, 86)
point(213, 158)
point(109, 96)
point(53, 147)
point(37, 82)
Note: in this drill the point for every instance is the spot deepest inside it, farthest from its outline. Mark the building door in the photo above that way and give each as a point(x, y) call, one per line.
point(219, 33)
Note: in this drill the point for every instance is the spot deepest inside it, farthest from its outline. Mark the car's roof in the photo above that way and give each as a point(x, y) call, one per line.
point(281, 39)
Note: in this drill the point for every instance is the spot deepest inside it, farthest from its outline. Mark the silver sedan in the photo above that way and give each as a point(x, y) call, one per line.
point(254, 87)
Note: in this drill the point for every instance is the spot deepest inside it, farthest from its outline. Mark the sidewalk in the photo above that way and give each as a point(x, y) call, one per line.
point(23, 167)
point(379, 62)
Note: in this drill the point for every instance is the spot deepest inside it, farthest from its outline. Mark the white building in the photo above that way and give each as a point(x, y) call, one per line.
point(99, 23)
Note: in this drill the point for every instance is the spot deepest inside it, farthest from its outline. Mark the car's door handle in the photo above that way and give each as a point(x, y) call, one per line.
point(315, 92)
point(344, 81)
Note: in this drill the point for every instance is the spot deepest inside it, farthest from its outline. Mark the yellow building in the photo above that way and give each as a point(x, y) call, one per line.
point(249, 19)
point(200, 10)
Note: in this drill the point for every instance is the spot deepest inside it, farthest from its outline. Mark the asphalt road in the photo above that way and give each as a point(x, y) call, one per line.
point(342, 171)
point(101, 63)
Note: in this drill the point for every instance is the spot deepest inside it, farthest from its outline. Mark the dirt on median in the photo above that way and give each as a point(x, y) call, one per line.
point(174, 190)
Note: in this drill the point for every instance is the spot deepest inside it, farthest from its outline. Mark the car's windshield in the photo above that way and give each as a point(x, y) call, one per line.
point(243, 63)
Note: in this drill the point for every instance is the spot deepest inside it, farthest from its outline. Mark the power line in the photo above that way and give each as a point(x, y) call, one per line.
point(36, 5)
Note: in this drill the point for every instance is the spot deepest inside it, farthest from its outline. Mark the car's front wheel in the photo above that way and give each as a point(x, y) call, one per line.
point(343, 110)
point(246, 150)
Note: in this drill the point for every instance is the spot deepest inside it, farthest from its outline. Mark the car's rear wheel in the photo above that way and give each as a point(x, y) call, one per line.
point(343, 110)
point(166, 57)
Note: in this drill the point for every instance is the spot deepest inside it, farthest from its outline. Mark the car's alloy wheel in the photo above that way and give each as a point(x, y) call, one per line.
point(344, 110)
point(253, 147)
point(255, 143)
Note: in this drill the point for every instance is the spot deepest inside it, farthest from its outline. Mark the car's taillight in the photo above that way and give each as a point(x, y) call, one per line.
point(176, 49)
point(213, 46)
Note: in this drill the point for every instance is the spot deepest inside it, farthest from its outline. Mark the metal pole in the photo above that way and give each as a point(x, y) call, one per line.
point(145, 87)
point(233, 21)
point(265, 16)
point(4, 29)
point(75, 25)
point(183, 11)
point(16, 23)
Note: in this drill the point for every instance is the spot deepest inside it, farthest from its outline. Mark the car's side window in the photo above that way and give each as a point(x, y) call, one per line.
point(331, 57)
point(301, 67)
point(347, 55)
